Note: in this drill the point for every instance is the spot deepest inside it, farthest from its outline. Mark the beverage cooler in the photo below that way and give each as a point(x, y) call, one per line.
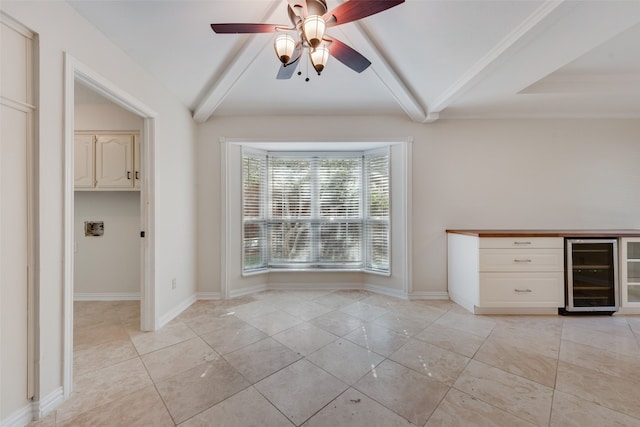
point(592, 275)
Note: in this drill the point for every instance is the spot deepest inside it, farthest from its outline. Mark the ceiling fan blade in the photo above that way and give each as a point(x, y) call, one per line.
point(286, 71)
point(245, 28)
point(347, 55)
point(352, 10)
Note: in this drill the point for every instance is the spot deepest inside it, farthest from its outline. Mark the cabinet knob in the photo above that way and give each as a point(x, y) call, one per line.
point(128, 174)
point(523, 290)
point(137, 175)
point(521, 260)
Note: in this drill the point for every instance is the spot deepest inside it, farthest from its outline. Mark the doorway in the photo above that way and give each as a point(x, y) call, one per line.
point(76, 72)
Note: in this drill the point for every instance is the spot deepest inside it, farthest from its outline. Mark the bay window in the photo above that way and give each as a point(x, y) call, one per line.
point(316, 211)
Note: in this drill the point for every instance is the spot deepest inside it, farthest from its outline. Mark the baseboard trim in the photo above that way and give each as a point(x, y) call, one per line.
point(107, 296)
point(313, 287)
point(44, 406)
point(208, 296)
point(385, 291)
point(624, 311)
point(175, 311)
point(19, 418)
point(434, 295)
point(235, 293)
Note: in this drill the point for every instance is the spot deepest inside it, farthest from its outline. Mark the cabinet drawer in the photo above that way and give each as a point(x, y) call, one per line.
point(522, 289)
point(522, 242)
point(521, 260)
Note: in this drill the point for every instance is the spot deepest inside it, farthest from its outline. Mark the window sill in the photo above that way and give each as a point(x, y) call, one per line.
point(315, 270)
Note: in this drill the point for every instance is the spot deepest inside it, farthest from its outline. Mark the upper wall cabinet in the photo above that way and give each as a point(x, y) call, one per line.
point(107, 161)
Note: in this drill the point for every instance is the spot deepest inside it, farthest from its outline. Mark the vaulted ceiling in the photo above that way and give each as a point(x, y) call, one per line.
point(430, 58)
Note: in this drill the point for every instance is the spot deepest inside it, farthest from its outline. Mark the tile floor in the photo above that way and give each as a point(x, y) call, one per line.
point(349, 358)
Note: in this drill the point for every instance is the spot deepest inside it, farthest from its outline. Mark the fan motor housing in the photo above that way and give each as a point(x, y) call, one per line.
point(314, 7)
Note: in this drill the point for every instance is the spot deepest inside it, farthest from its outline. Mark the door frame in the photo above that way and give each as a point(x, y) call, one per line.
point(75, 71)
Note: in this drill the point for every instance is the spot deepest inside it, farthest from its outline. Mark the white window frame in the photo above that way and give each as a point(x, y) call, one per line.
point(364, 264)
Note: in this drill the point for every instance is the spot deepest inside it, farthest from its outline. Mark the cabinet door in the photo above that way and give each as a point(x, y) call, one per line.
point(137, 162)
point(630, 272)
point(83, 166)
point(114, 161)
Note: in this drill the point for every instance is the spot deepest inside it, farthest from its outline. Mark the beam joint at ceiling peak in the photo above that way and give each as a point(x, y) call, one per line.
point(220, 88)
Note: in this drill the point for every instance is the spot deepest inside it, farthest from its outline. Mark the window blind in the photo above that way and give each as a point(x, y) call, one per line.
point(315, 210)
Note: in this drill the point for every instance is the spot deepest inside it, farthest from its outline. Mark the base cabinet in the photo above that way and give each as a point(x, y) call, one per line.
point(506, 274)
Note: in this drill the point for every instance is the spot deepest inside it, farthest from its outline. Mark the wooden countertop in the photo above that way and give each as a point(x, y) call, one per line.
point(548, 233)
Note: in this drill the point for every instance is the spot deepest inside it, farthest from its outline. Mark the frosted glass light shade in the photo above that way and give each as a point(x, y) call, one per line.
point(313, 28)
point(284, 45)
point(319, 57)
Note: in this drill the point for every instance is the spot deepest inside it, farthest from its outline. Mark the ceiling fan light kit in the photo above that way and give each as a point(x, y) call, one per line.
point(310, 20)
point(319, 57)
point(285, 45)
point(313, 29)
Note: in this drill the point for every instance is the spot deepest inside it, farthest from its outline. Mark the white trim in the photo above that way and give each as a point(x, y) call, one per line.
point(19, 418)
point(407, 179)
point(35, 410)
point(106, 296)
point(235, 293)
point(42, 407)
point(359, 35)
point(332, 286)
point(225, 212)
point(624, 311)
point(397, 293)
point(208, 296)
point(432, 295)
point(175, 311)
point(74, 71)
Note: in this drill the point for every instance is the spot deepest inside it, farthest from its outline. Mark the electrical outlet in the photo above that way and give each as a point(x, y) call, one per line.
point(173, 283)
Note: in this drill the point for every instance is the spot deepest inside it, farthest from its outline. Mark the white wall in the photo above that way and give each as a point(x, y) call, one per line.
point(107, 266)
point(466, 174)
point(100, 117)
point(60, 29)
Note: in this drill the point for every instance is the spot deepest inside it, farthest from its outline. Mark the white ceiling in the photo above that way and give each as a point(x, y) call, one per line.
point(430, 58)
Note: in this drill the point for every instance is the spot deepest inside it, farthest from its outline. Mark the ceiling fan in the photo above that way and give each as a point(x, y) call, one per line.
point(310, 19)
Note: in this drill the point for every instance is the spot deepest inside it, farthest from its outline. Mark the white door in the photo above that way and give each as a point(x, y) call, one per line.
point(15, 138)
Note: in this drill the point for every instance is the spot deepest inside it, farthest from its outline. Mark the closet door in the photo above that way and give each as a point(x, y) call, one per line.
point(16, 353)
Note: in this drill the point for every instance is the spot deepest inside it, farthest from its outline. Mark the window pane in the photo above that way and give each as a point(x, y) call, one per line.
point(253, 212)
point(378, 186)
point(290, 187)
point(290, 242)
point(254, 242)
point(340, 242)
point(378, 245)
point(253, 174)
point(340, 182)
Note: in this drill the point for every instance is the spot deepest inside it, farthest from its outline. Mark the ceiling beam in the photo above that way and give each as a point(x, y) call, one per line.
point(480, 69)
point(358, 35)
point(243, 58)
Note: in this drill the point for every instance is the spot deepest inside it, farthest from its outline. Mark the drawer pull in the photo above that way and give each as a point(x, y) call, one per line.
point(521, 243)
point(521, 260)
point(523, 290)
